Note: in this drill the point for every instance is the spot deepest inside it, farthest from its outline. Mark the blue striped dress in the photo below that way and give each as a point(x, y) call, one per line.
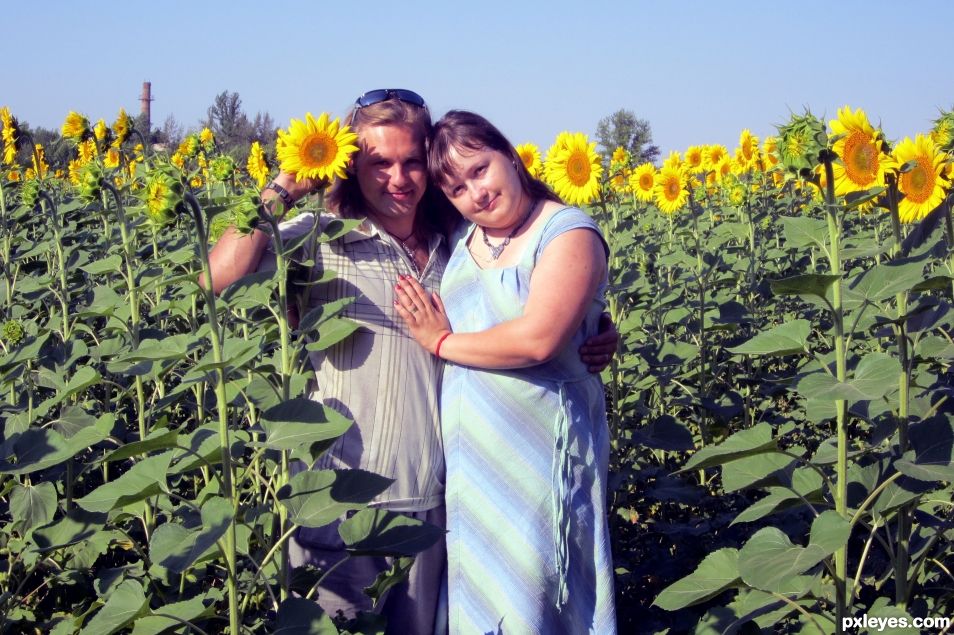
point(526, 455)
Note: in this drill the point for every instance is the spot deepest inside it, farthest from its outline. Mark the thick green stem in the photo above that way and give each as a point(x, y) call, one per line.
point(228, 477)
point(61, 264)
point(902, 555)
point(841, 406)
point(130, 274)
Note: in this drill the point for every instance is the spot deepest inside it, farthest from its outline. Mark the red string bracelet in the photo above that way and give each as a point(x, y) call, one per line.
point(439, 342)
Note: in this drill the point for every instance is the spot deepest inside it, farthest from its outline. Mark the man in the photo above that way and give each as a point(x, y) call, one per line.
point(379, 377)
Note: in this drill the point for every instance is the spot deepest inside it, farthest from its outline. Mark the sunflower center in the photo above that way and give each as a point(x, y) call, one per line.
point(318, 151)
point(672, 189)
point(578, 169)
point(646, 181)
point(861, 158)
point(918, 184)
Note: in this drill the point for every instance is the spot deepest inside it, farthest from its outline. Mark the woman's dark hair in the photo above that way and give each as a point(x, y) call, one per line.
point(435, 213)
point(466, 131)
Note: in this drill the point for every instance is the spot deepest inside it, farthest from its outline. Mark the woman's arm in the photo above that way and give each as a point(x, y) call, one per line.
point(562, 286)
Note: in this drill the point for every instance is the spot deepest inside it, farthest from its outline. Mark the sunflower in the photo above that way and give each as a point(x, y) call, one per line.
point(713, 156)
point(723, 169)
point(316, 149)
point(9, 153)
point(122, 127)
point(574, 171)
point(674, 160)
point(207, 139)
point(923, 185)
point(73, 169)
point(75, 127)
point(695, 159)
point(87, 151)
point(101, 130)
point(619, 182)
point(530, 155)
point(770, 152)
point(670, 192)
point(561, 143)
point(256, 165)
point(642, 181)
point(40, 166)
point(747, 154)
point(189, 147)
point(10, 134)
point(861, 149)
point(111, 158)
point(13, 175)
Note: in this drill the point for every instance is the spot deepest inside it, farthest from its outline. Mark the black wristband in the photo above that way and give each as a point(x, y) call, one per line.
point(283, 194)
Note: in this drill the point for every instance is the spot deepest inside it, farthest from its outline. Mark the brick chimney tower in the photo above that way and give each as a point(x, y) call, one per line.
point(144, 106)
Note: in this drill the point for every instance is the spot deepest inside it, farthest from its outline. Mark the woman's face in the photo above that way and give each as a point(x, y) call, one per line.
point(485, 188)
point(391, 169)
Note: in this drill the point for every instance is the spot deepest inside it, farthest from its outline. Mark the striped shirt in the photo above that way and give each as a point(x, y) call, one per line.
point(379, 377)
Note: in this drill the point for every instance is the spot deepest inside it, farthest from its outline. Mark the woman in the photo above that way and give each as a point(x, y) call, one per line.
point(524, 424)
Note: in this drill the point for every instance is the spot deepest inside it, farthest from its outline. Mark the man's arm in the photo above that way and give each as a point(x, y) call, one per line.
point(236, 255)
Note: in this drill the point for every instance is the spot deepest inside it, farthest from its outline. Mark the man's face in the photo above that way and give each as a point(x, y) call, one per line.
point(391, 169)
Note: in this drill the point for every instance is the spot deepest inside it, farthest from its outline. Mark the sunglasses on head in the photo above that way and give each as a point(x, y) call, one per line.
point(384, 94)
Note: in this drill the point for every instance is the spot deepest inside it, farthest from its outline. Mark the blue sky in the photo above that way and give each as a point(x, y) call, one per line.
point(699, 72)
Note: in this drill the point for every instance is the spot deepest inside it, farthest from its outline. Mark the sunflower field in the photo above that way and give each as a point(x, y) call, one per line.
point(782, 442)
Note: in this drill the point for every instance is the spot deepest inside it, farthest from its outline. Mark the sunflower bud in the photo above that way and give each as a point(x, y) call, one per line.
point(12, 332)
point(223, 167)
point(30, 192)
point(90, 177)
point(207, 139)
point(245, 212)
point(943, 132)
point(800, 142)
point(161, 196)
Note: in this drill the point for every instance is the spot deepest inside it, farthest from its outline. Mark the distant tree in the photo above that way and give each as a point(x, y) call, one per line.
point(170, 134)
point(57, 152)
point(231, 127)
point(263, 129)
point(624, 128)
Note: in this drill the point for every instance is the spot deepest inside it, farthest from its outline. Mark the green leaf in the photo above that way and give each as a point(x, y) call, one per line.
point(191, 610)
point(74, 527)
point(885, 281)
point(809, 284)
point(300, 421)
point(378, 532)
point(298, 616)
point(854, 199)
point(716, 573)
point(770, 562)
point(126, 603)
point(85, 377)
point(749, 470)
point(932, 456)
point(110, 264)
point(144, 479)
point(665, 433)
point(324, 312)
point(755, 440)
point(251, 291)
point(316, 498)
point(40, 448)
point(786, 339)
point(338, 227)
point(32, 506)
point(803, 231)
point(881, 612)
point(172, 347)
point(400, 568)
point(829, 532)
point(161, 439)
point(177, 548)
point(875, 376)
point(331, 332)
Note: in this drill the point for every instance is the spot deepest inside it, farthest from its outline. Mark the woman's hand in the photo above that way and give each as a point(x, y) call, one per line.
point(425, 317)
point(597, 352)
